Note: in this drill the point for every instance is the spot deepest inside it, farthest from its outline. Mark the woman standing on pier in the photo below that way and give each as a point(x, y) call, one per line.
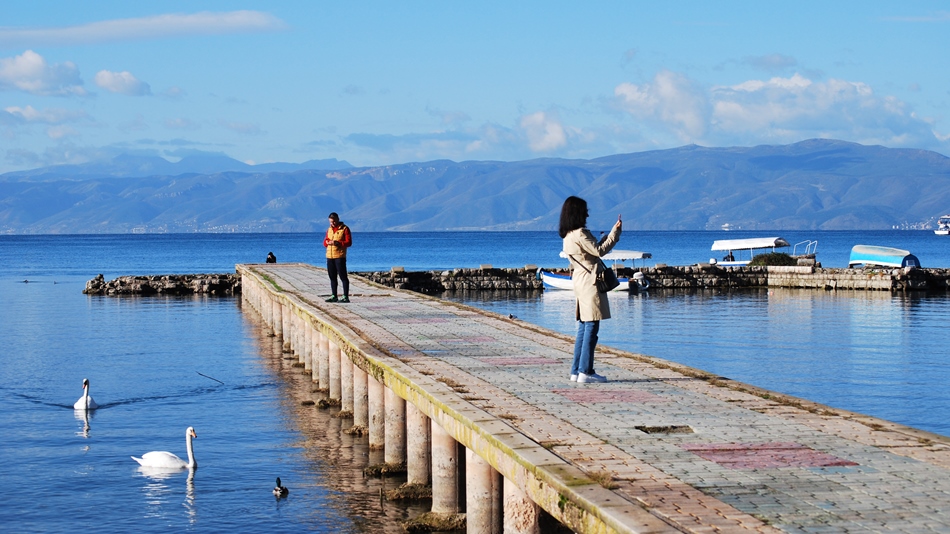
point(591, 306)
point(338, 239)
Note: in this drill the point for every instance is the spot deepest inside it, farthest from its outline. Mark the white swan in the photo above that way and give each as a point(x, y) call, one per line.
point(85, 402)
point(168, 460)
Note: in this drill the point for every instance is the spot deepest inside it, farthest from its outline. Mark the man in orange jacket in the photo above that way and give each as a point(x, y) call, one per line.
point(338, 239)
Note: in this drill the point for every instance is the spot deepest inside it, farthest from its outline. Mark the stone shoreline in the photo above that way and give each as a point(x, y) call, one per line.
point(167, 284)
point(701, 276)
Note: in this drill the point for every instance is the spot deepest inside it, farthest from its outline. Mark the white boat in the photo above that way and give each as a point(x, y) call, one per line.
point(740, 251)
point(563, 281)
point(873, 256)
point(943, 225)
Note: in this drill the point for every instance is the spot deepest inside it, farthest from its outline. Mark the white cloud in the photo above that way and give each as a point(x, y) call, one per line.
point(787, 109)
point(29, 72)
point(47, 116)
point(60, 132)
point(777, 110)
point(122, 82)
point(545, 133)
point(157, 26)
point(670, 99)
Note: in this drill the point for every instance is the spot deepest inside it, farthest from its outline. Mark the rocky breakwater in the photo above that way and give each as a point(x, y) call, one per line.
point(166, 284)
point(802, 277)
point(430, 282)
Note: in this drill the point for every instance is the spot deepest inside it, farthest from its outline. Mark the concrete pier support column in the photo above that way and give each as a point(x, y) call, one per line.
point(377, 414)
point(314, 354)
point(277, 321)
point(483, 496)
point(297, 325)
point(307, 344)
point(288, 328)
point(334, 371)
point(418, 446)
point(323, 357)
point(247, 293)
point(521, 513)
point(395, 451)
point(267, 310)
point(445, 470)
point(299, 339)
point(346, 384)
point(360, 398)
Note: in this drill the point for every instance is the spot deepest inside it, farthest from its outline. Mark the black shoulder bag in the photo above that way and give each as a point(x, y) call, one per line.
point(606, 279)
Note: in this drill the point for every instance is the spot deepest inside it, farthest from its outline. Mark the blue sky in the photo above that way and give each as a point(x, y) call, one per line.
point(377, 83)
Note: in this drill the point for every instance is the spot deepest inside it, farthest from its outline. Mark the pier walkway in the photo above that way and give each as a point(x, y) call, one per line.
point(660, 448)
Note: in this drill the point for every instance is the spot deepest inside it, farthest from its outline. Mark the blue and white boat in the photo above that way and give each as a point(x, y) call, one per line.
point(874, 256)
point(553, 280)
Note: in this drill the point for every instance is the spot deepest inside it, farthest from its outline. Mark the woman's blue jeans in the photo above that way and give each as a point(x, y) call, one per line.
point(584, 347)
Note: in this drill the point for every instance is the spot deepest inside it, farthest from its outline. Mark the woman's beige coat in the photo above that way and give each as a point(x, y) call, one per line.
point(584, 253)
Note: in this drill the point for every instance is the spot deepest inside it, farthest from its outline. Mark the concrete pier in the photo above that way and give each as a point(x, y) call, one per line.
point(660, 448)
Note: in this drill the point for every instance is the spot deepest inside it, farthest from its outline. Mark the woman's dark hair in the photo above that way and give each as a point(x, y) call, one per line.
point(573, 215)
point(334, 216)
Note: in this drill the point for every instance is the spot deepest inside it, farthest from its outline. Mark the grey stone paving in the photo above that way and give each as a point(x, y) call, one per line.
point(748, 459)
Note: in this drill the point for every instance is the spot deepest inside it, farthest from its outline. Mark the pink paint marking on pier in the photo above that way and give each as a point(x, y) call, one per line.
point(764, 455)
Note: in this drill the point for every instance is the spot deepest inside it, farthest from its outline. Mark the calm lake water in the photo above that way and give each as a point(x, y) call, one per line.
point(876, 353)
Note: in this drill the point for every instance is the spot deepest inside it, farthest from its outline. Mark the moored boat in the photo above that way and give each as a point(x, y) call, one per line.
point(740, 252)
point(554, 280)
point(943, 225)
point(874, 256)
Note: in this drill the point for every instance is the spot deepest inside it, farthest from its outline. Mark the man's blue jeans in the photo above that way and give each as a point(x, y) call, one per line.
point(584, 347)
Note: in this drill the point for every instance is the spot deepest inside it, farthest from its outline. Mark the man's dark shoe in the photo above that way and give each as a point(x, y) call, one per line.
point(333, 299)
point(345, 299)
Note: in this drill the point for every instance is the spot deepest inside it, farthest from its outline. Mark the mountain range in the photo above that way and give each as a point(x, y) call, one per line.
point(815, 184)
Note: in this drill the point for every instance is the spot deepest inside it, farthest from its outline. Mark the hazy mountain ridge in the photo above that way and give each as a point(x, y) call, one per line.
point(815, 184)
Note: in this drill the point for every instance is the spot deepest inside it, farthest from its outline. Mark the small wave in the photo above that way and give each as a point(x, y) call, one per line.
point(190, 394)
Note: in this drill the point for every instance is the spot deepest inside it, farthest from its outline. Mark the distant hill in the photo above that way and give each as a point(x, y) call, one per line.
point(133, 166)
point(815, 184)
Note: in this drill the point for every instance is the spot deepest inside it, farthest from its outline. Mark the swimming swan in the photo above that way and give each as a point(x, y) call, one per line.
point(85, 402)
point(168, 460)
point(280, 491)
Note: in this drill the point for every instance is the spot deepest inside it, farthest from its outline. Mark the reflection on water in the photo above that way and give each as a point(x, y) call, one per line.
point(872, 352)
point(83, 416)
point(160, 490)
point(190, 506)
point(338, 456)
